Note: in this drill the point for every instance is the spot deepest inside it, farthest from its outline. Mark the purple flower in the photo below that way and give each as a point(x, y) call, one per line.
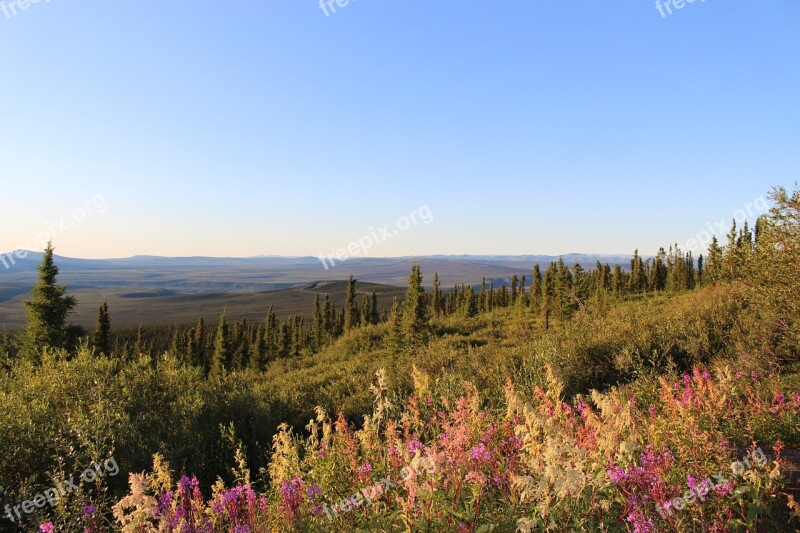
point(691, 481)
point(366, 468)
point(480, 453)
point(581, 407)
point(89, 510)
point(314, 491)
point(414, 445)
point(47, 527)
point(164, 504)
point(242, 529)
point(616, 474)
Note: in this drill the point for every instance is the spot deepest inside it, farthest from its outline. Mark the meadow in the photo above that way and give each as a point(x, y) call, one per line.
point(665, 397)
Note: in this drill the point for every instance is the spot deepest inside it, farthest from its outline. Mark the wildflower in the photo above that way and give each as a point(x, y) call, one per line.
point(616, 474)
point(47, 527)
point(739, 374)
point(582, 406)
point(89, 510)
point(365, 469)
point(242, 529)
point(414, 445)
point(480, 453)
point(314, 491)
point(691, 481)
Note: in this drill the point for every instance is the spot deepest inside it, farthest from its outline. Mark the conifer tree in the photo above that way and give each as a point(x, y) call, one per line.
point(714, 264)
point(318, 324)
point(395, 341)
point(200, 356)
point(470, 305)
point(437, 296)
point(47, 311)
point(223, 351)
point(548, 294)
point(270, 335)
point(700, 280)
point(350, 312)
point(536, 288)
point(138, 346)
point(259, 360)
point(514, 283)
point(415, 316)
point(364, 311)
point(101, 339)
point(374, 318)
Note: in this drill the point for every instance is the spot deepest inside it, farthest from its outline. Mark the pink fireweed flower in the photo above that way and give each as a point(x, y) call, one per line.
point(414, 445)
point(480, 453)
point(47, 527)
point(365, 469)
point(616, 474)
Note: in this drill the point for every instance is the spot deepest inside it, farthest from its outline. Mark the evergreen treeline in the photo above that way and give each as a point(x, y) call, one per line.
point(553, 292)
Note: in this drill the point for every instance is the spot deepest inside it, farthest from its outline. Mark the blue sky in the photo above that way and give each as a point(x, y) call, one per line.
point(245, 128)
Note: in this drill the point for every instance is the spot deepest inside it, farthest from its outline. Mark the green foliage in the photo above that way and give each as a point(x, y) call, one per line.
point(47, 311)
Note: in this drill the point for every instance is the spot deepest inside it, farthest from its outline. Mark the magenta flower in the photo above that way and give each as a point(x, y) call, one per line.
point(47, 527)
point(480, 453)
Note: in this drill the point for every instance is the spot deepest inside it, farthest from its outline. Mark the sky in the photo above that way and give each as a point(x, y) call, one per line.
point(244, 127)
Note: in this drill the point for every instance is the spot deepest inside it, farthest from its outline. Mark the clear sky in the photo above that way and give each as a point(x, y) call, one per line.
point(244, 127)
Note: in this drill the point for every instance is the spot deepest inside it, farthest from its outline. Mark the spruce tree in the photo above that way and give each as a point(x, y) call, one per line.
point(374, 318)
point(223, 351)
point(101, 339)
point(536, 288)
point(199, 357)
point(415, 316)
point(437, 296)
point(350, 312)
point(395, 341)
point(47, 311)
point(259, 361)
